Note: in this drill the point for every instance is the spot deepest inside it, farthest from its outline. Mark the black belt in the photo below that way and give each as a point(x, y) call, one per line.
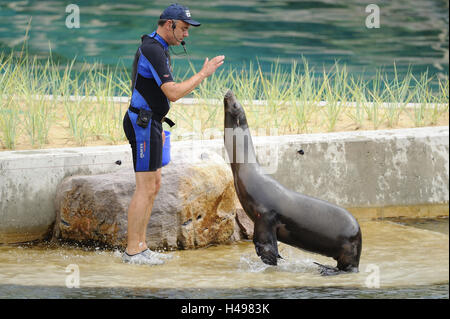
point(154, 116)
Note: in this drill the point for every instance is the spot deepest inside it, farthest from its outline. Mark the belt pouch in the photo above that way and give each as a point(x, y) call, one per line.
point(144, 118)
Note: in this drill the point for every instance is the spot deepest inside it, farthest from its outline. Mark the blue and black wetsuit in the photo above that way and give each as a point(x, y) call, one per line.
point(151, 69)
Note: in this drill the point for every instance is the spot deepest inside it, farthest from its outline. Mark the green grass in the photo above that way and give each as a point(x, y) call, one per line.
point(290, 99)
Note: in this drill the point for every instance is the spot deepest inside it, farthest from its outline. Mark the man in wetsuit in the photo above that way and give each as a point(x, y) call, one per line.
point(153, 90)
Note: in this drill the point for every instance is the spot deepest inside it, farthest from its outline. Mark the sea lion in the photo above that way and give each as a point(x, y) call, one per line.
point(280, 214)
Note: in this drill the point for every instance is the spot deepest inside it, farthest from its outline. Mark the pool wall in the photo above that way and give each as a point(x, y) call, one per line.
point(374, 174)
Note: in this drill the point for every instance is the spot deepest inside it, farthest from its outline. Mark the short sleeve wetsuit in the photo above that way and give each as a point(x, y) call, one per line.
point(151, 69)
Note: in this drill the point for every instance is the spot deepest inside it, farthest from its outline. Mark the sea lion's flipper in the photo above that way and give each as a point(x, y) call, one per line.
point(328, 270)
point(265, 238)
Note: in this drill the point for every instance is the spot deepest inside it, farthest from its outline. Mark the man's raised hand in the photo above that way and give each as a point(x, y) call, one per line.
point(210, 66)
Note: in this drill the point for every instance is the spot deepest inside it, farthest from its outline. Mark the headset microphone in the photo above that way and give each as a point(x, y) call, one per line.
point(184, 47)
point(174, 25)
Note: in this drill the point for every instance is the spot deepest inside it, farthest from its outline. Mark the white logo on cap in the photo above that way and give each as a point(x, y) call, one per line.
point(188, 13)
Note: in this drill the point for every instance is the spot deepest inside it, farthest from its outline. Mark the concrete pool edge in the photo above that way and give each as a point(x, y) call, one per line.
point(411, 211)
point(29, 179)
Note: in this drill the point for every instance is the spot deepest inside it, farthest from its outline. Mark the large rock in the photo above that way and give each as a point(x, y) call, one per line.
point(195, 207)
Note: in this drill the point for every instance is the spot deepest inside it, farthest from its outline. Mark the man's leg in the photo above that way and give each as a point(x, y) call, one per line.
point(139, 211)
point(157, 187)
point(148, 212)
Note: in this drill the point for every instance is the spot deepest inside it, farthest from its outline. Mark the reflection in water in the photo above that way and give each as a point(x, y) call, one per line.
point(407, 259)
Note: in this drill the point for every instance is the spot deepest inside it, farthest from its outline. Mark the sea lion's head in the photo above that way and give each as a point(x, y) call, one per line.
point(234, 112)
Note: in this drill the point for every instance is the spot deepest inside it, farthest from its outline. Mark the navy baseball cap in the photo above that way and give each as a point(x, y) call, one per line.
point(178, 12)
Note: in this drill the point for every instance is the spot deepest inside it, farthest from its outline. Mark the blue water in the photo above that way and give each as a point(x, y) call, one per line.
point(412, 33)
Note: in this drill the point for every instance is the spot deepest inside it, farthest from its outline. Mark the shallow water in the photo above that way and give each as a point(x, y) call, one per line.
point(412, 262)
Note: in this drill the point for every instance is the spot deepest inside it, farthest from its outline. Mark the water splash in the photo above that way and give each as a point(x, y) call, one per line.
point(296, 265)
point(117, 253)
point(250, 262)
